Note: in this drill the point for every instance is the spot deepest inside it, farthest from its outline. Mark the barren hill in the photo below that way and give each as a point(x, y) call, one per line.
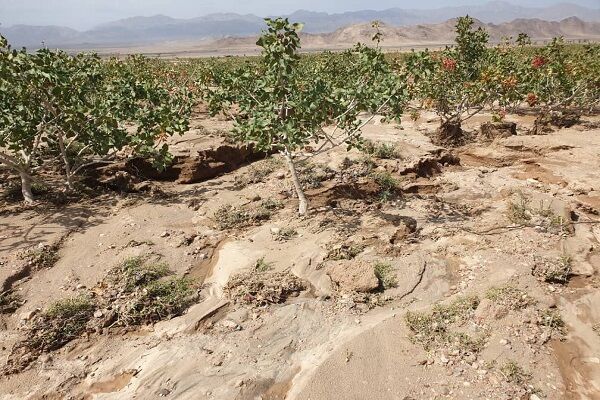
point(569, 28)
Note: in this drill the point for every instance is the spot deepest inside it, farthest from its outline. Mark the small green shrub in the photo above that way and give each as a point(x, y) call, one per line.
point(384, 151)
point(388, 186)
point(262, 266)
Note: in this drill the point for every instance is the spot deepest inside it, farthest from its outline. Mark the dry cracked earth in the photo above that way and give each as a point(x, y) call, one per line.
point(422, 272)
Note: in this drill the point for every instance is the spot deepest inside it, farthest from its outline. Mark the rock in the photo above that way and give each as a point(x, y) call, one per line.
point(230, 325)
point(29, 315)
point(280, 175)
point(275, 231)
point(98, 314)
point(353, 276)
point(163, 392)
point(534, 397)
point(164, 234)
point(484, 310)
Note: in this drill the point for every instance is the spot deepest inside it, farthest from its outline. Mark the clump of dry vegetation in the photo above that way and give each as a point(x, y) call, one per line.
point(285, 234)
point(229, 216)
point(386, 275)
point(312, 175)
point(438, 329)
point(10, 302)
point(522, 212)
point(141, 292)
point(347, 251)
point(558, 271)
point(551, 319)
point(514, 373)
point(42, 257)
point(259, 172)
point(509, 297)
point(259, 287)
point(62, 322)
point(136, 292)
point(388, 186)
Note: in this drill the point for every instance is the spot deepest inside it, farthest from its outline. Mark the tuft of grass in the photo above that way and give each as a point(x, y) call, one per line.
point(514, 373)
point(61, 322)
point(135, 272)
point(10, 302)
point(146, 293)
point(510, 297)
point(434, 330)
point(229, 217)
point(388, 186)
point(345, 252)
point(386, 275)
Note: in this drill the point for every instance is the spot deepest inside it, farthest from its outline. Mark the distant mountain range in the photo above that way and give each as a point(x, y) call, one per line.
point(161, 28)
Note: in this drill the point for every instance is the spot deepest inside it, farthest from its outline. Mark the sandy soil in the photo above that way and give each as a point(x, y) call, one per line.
point(333, 341)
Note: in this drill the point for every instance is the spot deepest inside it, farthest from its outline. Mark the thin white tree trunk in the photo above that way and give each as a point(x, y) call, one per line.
point(63, 152)
point(302, 201)
point(26, 187)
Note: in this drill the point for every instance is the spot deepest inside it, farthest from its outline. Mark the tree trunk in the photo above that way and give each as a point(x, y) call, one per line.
point(302, 202)
point(26, 187)
point(63, 152)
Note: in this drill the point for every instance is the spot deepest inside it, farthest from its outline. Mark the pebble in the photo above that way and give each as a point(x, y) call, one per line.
point(98, 314)
point(164, 234)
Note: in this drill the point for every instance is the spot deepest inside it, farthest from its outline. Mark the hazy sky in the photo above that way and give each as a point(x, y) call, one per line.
point(83, 14)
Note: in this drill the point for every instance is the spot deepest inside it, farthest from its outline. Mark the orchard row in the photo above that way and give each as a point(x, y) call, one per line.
point(83, 110)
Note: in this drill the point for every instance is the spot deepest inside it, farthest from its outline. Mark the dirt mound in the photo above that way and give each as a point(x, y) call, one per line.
point(450, 134)
point(205, 165)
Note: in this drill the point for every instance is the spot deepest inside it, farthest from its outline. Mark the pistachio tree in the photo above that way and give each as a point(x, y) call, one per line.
point(284, 104)
point(82, 110)
point(449, 82)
